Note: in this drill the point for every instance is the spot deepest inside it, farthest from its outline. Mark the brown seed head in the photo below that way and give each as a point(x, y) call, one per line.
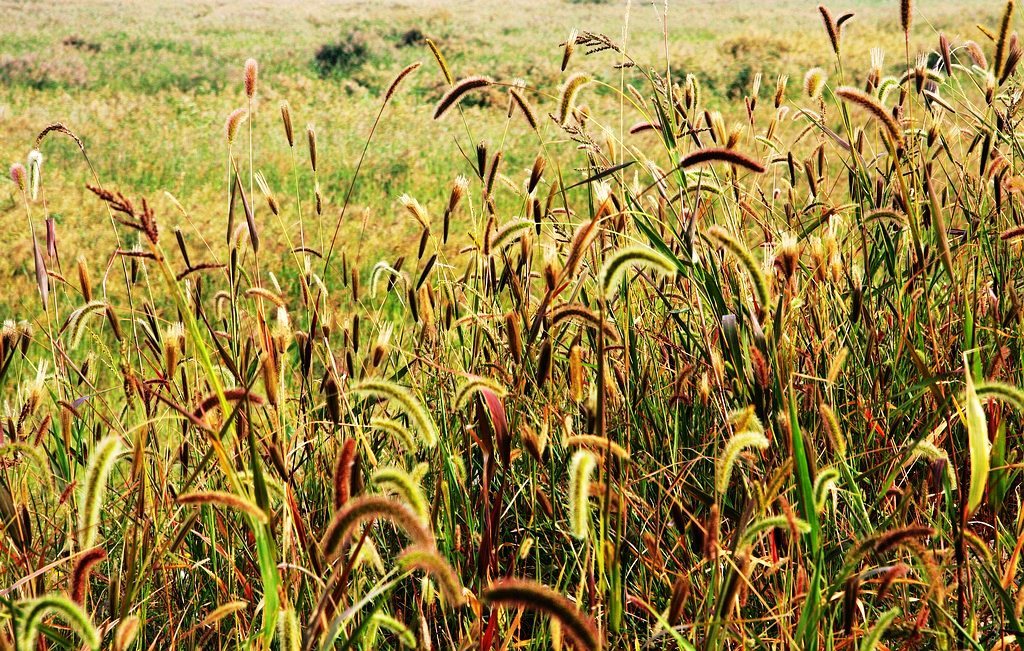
point(830, 27)
point(286, 119)
point(251, 72)
point(311, 136)
point(906, 15)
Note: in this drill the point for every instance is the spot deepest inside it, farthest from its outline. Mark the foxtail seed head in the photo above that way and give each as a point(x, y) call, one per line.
point(615, 267)
point(19, 176)
point(234, 120)
point(37, 610)
point(814, 82)
point(906, 15)
point(570, 90)
point(94, 487)
point(536, 596)
point(580, 470)
point(457, 92)
point(405, 400)
point(286, 120)
point(251, 73)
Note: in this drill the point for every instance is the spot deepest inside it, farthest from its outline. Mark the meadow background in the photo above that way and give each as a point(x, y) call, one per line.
point(147, 87)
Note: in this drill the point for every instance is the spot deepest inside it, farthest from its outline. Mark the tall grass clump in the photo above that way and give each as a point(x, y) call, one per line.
point(744, 373)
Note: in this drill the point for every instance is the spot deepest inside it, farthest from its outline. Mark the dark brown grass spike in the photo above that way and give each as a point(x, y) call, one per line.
point(721, 155)
point(1002, 40)
point(947, 56)
point(457, 92)
point(406, 71)
point(894, 537)
point(82, 570)
point(830, 27)
point(524, 108)
point(875, 108)
point(536, 596)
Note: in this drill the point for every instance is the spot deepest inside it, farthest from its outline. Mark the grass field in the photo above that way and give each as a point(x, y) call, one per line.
point(511, 325)
point(147, 87)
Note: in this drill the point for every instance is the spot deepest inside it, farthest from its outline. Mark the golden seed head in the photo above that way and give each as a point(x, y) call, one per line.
point(261, 181)
point(383, 343)
point(704, 388)
point(787, 255)
point(35, 389)
point(234, 120)
point(9, 332)
point(814, 82)
point(35, 167)
point(780, 90)
point(570, 47)
point(174, 339)
point(691, 92)
point(877, 59)
point(415, 209)
point(733, 137)
point(83, 278)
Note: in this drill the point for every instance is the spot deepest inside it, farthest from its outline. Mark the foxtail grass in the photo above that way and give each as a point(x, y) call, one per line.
point(539, 597)
point(94, 488)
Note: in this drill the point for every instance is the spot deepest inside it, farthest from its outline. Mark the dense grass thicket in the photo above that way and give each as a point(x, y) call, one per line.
point(697, 378)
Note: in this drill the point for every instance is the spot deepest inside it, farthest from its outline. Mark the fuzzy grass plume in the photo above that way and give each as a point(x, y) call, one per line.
point(746, 260)
point(397, 430)
point(226, 499)
point(738, 443)
point(405, 635)
point(36, 611)
point(875, 108)
point(404, 400)
point(882, 624)
point(457, 92)
point(535, 596)
point(430, 561)
point(567, 98)
point(978, 445)
point(365, 508)
point(318, 460)
point(598, 444)
point(580, 470)
point(614, 268)
point(94, 488)
point(721, 155)
point(289, 631)
point(756, 528)
point(407, 487)
point(474, 385)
